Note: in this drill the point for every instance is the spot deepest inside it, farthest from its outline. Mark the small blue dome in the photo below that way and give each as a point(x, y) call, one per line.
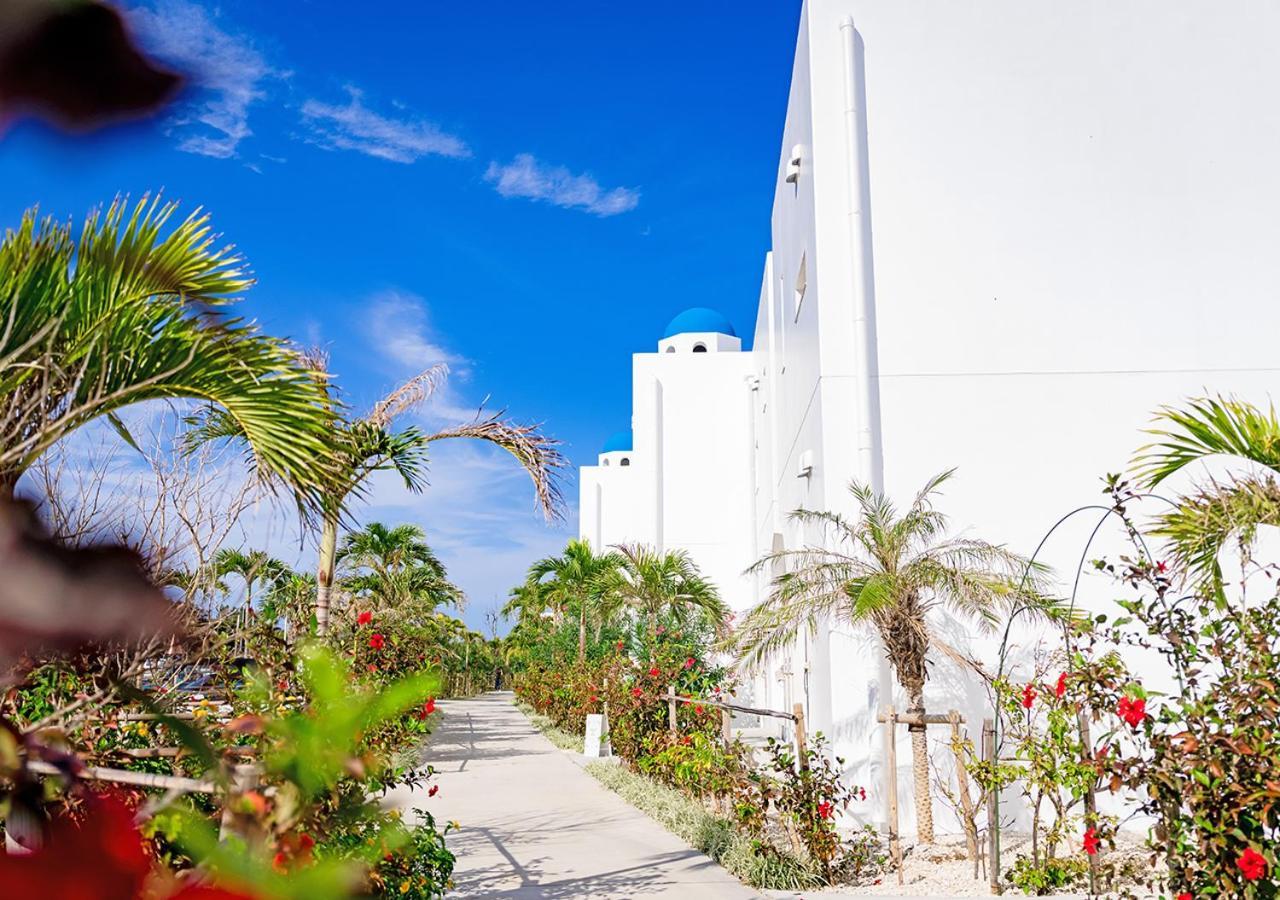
point(699, 319)
point(619, 441)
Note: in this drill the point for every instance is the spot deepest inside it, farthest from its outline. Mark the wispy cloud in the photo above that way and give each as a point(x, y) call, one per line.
point(526, 177)
point(354, 126)
point(225, 68)
point(398, 326)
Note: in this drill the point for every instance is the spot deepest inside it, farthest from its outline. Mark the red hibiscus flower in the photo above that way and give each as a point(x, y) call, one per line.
point(1160, 567)
point(688, 663)
point(1028, 696)
point(1134, 712)
point(1252, 864)
point(364, 618)
point(654, 672)
point(697, 710)
point(1091, 841)
point(1061, 687)
point(620, 645)
point(636, 692)
point(377, 641)
point(824, 809)
point(432, 792)
point(1185, 895)
point(430, 706)
point(593, 699)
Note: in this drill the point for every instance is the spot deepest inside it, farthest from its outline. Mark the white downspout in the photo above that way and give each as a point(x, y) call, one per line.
point(870, 448)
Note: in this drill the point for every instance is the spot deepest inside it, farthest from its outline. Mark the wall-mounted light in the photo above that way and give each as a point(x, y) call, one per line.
point(793, 165)
point(805, 467)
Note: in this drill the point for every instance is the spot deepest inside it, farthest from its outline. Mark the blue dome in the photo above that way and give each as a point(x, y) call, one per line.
point(699, 319)
point(619, 441)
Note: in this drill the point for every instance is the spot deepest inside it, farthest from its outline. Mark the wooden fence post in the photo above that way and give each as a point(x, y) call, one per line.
point(993, 831)
point(802, 739)
point(244, 778)
point(1090, 800)
point(726, 726)
point(891, 787)
point(671, 709)
point(966, 802)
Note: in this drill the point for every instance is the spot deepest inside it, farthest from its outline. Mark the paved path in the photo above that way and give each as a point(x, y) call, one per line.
point(534, 824)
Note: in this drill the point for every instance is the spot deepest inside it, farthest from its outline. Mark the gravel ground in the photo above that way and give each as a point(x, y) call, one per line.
point(931, 872)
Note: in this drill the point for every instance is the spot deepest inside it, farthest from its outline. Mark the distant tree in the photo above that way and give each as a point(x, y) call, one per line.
point(889, 572)
point(395, 568)
point(656, 584)
point(578, 578)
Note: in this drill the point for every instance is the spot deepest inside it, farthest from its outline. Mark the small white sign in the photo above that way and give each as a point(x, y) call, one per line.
point(596, 743)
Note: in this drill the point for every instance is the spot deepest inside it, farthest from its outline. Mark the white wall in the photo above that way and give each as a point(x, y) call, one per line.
point(1073, 224)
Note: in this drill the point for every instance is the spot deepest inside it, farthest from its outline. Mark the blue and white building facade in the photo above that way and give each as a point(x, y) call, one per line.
point(1073, 226)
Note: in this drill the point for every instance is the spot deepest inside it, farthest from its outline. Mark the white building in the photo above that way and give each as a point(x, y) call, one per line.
point(1074, 224)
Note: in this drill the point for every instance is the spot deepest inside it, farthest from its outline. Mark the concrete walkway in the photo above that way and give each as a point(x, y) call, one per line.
point(534, 824)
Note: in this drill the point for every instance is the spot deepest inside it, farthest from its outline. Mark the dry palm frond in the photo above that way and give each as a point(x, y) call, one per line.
point(411, 394)
point(536, 452)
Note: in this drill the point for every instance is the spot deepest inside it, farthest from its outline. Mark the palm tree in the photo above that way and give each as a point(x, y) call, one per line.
point(395, 568)
point(889, 572)
point(124, 314)
point(369, 445)
point(250, 567)
point(1206, 517)
point(578, 577)
point(656, 584)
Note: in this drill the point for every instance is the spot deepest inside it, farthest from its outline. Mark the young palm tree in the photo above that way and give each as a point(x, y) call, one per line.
point(251, 567)
point(125, 313)
point(1207, 516)
point(396, 569)
point(656, 584)
point(577, 578)
point(889, 572)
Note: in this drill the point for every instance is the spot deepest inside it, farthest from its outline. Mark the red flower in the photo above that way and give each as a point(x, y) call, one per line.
point(636, 692)
point(688, 663)
point(432, 792)
point(1252, 864)
point(1185, 895)
point(654, 672)
point(662, 629)
point(619, 645)
point(372, 667)
point(377, 641)
point(430, 706)
point(1091, 841)
point(1061, 687)
point(824, 809)
point(1028, 696)
point(697, 710)
point(1134, 712)
point(364, 618)
point(1160, 567)
point(862, 793)
point(593, 699)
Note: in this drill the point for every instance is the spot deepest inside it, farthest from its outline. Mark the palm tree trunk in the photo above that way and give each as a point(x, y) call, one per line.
point(920, 771)
point(582, 633)
point(324, 571)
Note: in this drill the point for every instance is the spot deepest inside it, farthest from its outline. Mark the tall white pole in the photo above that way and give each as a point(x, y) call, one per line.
point(870, 448)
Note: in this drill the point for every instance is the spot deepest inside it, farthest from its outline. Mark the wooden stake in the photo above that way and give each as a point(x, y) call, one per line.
point(671, 709)
point(891, 787)
point(802, 739)
point(966, 802)
point(993, 835)
point(1090, 800)
point(726, 727)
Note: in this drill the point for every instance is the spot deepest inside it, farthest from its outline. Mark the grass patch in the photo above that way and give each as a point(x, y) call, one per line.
point(759, 866)
point(562, 739)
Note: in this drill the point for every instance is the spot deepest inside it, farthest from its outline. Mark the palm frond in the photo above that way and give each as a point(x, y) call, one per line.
point(1209, 426)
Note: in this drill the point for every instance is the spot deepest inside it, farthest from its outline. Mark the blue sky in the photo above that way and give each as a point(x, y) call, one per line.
point(525, 191)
